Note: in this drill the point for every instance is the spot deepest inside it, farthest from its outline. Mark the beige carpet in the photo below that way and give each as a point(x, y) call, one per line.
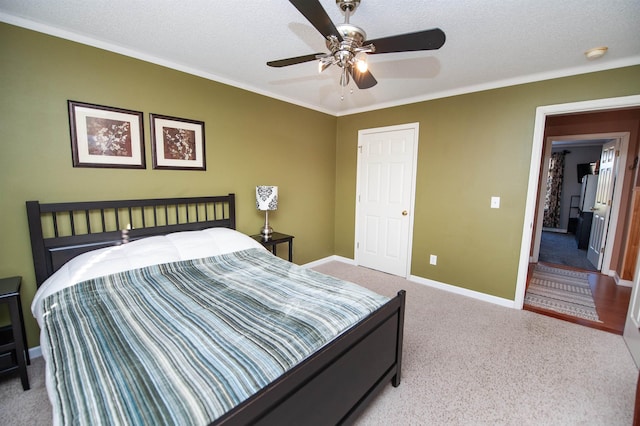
point(28, 408)
point(466, 362)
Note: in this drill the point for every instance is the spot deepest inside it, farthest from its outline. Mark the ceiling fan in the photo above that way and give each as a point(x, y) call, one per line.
point(348, 43)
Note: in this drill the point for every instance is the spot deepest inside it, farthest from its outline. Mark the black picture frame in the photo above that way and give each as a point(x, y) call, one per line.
point(106, 137)
point(177, 143)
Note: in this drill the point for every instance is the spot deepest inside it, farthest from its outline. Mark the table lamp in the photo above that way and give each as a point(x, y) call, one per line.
point(266, 199)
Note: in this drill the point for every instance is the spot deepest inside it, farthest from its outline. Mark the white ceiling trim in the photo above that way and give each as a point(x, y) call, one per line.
point(532, 78)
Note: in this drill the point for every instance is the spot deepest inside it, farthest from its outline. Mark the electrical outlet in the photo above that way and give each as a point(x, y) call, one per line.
point(433, 259)
point(495, 202)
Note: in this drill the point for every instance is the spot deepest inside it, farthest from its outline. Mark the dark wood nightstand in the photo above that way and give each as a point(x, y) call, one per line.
point(13, 340)
point(275, 239)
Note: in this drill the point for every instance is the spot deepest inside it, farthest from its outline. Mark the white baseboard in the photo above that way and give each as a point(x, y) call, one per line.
point(430, 283)
point(464, 292)
point(621, 282)
point(327, 260)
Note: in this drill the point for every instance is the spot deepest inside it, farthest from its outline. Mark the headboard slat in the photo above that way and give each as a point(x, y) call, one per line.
point(55, 223)
point(71, 223)
point(104, 225)
point(86, 218)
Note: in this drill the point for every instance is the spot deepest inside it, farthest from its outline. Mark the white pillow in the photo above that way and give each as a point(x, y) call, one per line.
point(210, 242)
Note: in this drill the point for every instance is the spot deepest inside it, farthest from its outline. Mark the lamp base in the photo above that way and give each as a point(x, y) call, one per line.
point(266, 232)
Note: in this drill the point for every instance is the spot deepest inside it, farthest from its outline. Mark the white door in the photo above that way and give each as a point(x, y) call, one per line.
point(602, 206)
point(385, 197)
point(632, 326)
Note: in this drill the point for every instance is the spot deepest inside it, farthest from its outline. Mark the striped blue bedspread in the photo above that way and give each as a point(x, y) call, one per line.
point(185, 342)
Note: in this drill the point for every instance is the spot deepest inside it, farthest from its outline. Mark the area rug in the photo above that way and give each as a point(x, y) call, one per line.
point(561, 290)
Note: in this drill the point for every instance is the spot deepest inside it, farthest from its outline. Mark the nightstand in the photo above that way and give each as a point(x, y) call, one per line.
point(13, 341)
point(275, 239)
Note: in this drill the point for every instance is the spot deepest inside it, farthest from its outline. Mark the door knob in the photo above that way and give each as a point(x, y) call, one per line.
point(404, 213)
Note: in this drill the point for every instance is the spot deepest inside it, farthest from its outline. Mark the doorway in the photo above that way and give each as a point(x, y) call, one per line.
point(596, 190)
point(530, 232)
point(572, 166)
point(583, 214)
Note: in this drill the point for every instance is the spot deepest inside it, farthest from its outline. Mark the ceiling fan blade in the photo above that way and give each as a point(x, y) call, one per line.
point(317, 16)
point(292, 61)
point(364, 80)
point(422, 40)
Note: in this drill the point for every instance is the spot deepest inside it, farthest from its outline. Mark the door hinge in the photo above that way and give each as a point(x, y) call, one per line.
point(357, 245)
point(617, 153)
point(360, 149)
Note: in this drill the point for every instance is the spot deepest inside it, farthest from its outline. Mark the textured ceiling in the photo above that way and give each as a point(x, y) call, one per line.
point(489, 44)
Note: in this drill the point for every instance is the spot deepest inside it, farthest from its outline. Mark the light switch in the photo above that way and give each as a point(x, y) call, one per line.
point(495, 202)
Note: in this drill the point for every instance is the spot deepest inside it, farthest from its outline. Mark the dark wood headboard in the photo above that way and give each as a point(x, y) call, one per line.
point(62, 231)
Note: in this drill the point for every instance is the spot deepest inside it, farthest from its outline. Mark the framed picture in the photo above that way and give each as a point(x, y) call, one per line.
point(103, 136)
point(177, 143)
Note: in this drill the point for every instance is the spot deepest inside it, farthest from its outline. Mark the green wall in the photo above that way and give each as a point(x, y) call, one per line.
point(471, 147)
point(250, 140)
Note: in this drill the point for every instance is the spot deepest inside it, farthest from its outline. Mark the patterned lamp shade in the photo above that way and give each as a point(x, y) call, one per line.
point(267, 197)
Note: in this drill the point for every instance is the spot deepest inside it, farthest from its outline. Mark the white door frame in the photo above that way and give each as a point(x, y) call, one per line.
point(409, 126)
point(534, 172)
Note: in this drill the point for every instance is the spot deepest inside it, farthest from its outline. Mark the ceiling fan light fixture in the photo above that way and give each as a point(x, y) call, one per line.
point(596, 52)
point(362, 65)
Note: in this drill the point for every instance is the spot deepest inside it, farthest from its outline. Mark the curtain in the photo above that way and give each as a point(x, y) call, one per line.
point(554, 191)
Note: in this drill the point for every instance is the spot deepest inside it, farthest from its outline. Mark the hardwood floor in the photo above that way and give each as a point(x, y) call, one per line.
point(612, 302)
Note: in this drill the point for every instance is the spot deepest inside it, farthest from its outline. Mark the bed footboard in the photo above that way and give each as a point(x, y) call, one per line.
point(334, 385)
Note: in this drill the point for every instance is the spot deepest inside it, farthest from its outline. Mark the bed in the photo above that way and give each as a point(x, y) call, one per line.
point(180, 264)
